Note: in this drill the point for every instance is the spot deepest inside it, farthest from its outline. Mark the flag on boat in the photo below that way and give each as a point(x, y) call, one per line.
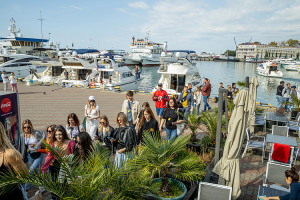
point(72, 44)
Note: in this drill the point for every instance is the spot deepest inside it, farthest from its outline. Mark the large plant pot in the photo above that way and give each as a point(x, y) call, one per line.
point(294, 113)
point(180, 185)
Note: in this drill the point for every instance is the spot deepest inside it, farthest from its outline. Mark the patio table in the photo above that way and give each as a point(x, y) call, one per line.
point(270, 192)
point(282, 140)
point(277, 117)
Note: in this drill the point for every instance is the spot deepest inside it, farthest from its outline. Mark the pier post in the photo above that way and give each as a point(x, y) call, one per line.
point(247, 82)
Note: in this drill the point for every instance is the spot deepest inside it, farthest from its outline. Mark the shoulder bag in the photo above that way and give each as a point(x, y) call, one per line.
point(180, 127)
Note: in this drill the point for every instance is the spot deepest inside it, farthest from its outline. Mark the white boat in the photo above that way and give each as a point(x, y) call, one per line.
point(146, 52)
point(205, 55)
point(291, 67)
point(174, 76)
point(20, 65)
point(269, 69)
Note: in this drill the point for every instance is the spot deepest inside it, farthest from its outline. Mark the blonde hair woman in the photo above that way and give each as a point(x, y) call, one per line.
point(10, 158)
point(125, 139)
point(27, 147)
point(104, 131)
point(13, 82)
point(197, 98)
point(92, 112)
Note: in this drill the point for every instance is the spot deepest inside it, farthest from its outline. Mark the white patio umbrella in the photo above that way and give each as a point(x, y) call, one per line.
point(228, 167)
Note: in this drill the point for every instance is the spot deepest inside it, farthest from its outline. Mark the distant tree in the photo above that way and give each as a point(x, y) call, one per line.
point(297, 56)
point(230, 52)
point(276, 55)
point(257, 42)
point(275, 44)
point(292, 42)
point(282, 43)
point(266, 55)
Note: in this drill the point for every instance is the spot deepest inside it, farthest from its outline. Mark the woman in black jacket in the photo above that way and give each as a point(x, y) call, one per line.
point(104, 131)
point(148, 123)
point(124, 139)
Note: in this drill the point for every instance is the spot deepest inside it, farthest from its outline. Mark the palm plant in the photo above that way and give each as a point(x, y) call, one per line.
point(295, 102)
point(161, 157)
point(86, 180)
point(210, 120)
point(193, 121)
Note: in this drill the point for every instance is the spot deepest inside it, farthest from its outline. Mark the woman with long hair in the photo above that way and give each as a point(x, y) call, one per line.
point(61, 142)
point(28, 141)
point(292, 179)
point(148, 123)
point(73, 126)
point(83, 147)
point(124, 139)
point(139, 118)
point(10, 159)
point(13, 82)
point(92, 112)
point(197, 99)
point(171, 118)
point(104, 131)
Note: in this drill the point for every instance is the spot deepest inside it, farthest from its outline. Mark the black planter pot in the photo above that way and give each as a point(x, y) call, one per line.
point(294, 113)
point(195, 147)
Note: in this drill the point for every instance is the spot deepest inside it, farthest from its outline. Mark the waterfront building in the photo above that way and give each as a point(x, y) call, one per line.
point(266, 51)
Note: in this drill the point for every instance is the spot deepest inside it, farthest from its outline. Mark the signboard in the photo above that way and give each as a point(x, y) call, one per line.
point(10, 116)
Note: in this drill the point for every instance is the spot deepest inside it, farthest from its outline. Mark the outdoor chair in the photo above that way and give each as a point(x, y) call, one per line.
point(275, 174)
point(296, 154)
point(208, 191)
point(294, 126)
point(280, 130)
point(290, 160)
point(255, 144)
point(261, 121)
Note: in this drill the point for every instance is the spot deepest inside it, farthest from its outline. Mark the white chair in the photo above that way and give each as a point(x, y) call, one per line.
point(209, 191)
point(275, 174)
point(280, 130)
point(291, 157)
point(255, 144)
point(294, 126)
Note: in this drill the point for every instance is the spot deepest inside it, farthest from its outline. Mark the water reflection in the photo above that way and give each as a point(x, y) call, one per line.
point(229, 72)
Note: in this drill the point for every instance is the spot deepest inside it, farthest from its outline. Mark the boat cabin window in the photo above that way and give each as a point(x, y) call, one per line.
point(105, 75)
point(181, 83)
point(57, 70)
point(24, 60)
point(196, 79)
point(173, 82)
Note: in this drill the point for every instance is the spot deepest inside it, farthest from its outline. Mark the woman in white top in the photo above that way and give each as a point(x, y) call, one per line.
point(197, 98)
point(13, 82)
point(92, 112)
point(73, 127)
point(33, 155)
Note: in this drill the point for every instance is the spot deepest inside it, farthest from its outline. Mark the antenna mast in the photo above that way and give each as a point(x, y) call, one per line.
point(41, 19)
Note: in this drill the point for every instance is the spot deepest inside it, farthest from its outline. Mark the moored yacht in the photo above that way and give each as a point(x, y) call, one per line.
point(174, 76)
point(269, 69)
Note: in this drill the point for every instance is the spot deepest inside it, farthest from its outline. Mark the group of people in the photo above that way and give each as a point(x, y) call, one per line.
point(285, 94)
point(11, 79)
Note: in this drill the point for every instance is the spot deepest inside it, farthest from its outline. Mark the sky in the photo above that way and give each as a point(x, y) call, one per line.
point(199, 25)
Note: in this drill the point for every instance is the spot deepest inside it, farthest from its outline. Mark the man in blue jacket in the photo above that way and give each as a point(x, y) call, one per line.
point(187, 100)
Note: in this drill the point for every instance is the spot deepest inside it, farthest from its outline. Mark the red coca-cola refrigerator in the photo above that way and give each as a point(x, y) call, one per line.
point(10, 116)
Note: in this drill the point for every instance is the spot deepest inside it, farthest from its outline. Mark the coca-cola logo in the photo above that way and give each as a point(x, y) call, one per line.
point(5, 105)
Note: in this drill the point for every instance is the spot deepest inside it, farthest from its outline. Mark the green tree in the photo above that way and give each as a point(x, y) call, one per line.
point(282, 43)
point(292, 42)
point(230, 52)
point(276, 55)
point(275, 44)
point(297, 56)
point(256, 42)
point(266, 55)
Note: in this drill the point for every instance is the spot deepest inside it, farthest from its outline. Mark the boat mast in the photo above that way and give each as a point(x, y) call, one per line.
point(41, 19)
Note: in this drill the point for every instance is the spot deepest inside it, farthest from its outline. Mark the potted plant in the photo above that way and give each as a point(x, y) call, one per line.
point(296, 105)
point(158, 158)
point(193, 121)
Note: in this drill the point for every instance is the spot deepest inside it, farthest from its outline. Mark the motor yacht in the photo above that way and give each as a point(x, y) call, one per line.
point(269, 69)
point(174, 76)
point(291, 67)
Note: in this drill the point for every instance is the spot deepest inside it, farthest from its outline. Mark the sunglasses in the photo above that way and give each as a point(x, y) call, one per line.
point(92, 100)
point(79, 143)
point(102, 122)
point(26, 127)
point(49, 131)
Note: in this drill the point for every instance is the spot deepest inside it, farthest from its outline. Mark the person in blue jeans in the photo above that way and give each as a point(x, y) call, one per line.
point(206, 93)
point(286, 94)
point(197, 99)
point(34, 156)
point(279, 97)
point(186, 98)
point(171, 118)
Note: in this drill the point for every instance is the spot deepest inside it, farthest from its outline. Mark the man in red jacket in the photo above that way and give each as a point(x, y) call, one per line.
point(161, 97)
point(206, 93)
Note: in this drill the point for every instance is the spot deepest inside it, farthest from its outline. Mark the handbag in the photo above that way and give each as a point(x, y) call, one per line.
point(180, 127)
point(35, 155)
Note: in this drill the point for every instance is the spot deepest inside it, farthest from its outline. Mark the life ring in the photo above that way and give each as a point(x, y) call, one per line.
point(92, 84)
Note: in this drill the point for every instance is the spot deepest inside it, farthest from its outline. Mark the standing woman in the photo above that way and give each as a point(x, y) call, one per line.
point(59, 141)
point(83, 147)
point(73, 127)
point(125, 140)
point(13, 82)
point(139, 118)
point(28, 141)
point(104, 131)
point(92, 112)
point(197, 98)
point(148, 123)
point(171, 118)
point(10, 158)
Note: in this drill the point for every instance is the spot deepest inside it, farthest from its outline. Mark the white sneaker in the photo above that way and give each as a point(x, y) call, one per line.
point(42, 189)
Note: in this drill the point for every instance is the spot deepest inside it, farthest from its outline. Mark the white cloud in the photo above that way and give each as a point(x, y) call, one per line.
point(122, 10)
point(185, 21)
point(139, 4)
point(78, 8)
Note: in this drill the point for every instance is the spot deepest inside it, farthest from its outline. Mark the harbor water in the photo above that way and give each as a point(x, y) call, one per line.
point(228, 73)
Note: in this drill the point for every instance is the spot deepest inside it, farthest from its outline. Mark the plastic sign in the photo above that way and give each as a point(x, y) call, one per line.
point(6, 105)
